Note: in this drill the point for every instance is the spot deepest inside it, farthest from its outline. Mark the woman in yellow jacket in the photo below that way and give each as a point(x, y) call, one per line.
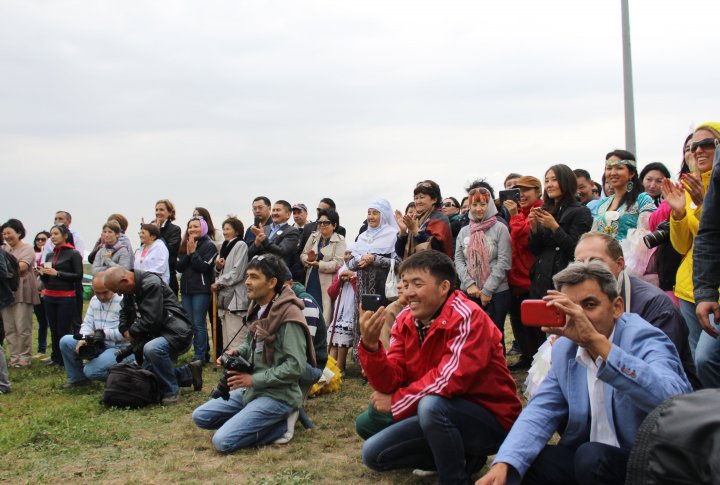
point(686, 201)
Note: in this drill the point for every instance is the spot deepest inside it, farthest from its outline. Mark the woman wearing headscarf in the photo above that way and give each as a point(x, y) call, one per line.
point(429, 229)
point(483, 257)
point(196, 263)
point(372, 255)
point(322, 256)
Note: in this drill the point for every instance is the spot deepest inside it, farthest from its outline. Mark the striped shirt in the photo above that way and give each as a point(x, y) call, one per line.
point(105, 316)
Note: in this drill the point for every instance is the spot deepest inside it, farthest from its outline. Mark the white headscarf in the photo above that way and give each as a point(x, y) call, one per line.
point(381, 239)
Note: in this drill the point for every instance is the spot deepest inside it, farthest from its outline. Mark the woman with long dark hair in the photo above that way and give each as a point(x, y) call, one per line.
point(651, 177)
point(197, 265)
point(215, 235)
point(60, 272)
point(555, 228)
point(620, 212)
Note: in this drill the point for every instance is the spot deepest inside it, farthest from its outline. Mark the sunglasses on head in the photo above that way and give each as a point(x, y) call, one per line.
point(705, 144)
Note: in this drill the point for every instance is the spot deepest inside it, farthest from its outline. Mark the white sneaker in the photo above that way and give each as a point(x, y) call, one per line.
point(291, 420)
point(424, 473)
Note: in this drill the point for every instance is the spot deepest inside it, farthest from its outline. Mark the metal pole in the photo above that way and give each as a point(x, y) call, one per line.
point(628, 80)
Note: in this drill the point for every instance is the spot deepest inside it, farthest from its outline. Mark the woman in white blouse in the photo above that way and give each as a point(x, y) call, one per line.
point(152, 255)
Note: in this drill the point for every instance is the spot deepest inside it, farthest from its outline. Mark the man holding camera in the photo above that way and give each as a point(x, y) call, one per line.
point(444, 398)
point(609, 370)
point(157, 327)
point(98, 341)
point(264, 397)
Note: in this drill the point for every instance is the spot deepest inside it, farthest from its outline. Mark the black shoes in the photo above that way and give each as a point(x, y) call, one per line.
point(196, 369)
point(521, 364)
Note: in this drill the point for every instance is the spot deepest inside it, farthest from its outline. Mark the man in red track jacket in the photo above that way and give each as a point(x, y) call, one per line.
point(444, 398)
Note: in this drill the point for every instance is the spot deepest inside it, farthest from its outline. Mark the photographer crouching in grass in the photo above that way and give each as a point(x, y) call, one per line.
point(98, 341)
point(262, 375)
point(157, 327)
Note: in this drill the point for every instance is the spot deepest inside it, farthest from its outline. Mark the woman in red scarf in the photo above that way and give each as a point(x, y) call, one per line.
point(60, 271)
point(483, 257)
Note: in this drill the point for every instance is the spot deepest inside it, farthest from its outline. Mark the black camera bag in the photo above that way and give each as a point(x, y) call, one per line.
point(130, 386)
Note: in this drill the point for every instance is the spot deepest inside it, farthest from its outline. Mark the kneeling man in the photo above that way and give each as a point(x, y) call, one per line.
point(103, 313)
point(444, 398)
point(608, 372)
point(263, 404)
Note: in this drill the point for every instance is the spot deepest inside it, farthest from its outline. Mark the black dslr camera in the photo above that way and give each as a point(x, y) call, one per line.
point(94, 344)
point(660, 236)
point(230, 363)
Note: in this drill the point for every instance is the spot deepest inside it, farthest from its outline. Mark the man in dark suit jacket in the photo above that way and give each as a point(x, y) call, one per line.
point(279, 237)
point(261, 213)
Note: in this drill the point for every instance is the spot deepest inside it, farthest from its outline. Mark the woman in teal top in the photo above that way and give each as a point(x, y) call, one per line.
point(620, 212)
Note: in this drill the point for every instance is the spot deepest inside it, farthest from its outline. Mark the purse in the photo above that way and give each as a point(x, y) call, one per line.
point(391, 291)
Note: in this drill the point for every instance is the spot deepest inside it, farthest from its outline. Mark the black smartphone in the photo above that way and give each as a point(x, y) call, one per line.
point(258, 221)
point(511, 194)
point(370, 301)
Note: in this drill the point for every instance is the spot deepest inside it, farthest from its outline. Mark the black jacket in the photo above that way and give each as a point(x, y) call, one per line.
point(171, 234)
point(555, 250)
point(284, 244)
point(153, 311)
point(198, 268)
point(69, 267)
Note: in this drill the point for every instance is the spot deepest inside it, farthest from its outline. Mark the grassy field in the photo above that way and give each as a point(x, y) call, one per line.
point(49, 435)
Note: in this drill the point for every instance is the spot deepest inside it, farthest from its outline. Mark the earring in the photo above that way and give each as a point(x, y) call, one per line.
point(630, 186)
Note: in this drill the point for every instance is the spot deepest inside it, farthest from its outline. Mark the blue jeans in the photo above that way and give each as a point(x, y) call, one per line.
point(95, 369)
point(454, 436)
point(158, 359)
point(687, 310)
point(589, 464)
point(707, 358)
point(196, 306)
point(61, 315)
point(259, 422)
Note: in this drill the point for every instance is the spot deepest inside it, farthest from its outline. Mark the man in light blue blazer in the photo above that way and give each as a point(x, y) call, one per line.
point(609, 370)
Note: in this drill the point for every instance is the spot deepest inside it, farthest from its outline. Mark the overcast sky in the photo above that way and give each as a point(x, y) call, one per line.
point(108, 106)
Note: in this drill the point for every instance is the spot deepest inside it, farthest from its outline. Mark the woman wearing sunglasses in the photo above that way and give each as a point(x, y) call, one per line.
point(555, 228)
point(686, 201)
point(40, 239)
point(322, 256)
point(483, 256)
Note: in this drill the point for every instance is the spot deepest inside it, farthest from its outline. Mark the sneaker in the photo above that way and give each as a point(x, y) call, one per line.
point(170, 400)
point(291, 420)
point(424, 473)
point(196, 369)
point(515, 349)
point(46, 360)
point(71, 385)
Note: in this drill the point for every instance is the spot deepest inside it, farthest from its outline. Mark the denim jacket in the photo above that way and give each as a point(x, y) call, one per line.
point(706, 254)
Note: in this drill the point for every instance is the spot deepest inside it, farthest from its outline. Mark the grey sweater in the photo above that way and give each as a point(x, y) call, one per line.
point(499, 251)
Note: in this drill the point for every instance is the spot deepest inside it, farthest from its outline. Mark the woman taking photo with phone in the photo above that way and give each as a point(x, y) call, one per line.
point(555, 228)
point(60, 272)
point(322, 257)
point(483, 257)
point(196, 263)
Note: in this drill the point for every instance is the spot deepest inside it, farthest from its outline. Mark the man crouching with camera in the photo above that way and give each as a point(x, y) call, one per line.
point(98, 341)
point(264, 394)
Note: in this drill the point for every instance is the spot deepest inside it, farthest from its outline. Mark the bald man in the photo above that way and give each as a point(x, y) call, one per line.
point(103, 314)
point(151, 313)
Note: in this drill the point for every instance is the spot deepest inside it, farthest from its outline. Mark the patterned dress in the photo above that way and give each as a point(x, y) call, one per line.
point(617, 223)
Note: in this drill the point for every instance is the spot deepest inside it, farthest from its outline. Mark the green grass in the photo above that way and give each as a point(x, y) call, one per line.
point(49, 435)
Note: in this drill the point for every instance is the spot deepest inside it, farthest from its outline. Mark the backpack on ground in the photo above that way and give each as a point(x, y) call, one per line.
point(129, 385)
point(13, 270)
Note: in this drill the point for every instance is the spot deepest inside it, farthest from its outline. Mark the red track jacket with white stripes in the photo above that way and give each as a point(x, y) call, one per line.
point(460, 357)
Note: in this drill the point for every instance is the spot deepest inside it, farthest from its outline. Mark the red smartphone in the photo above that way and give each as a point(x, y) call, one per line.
point(536, 313)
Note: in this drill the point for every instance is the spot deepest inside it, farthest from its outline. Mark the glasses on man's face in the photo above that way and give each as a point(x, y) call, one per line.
point(324, 223)
point(705, 144)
